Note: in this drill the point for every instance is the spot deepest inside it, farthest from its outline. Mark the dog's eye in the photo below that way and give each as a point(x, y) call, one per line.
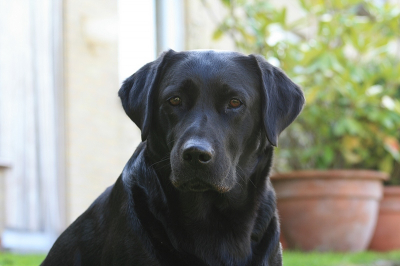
point(174, 101)
point(235, 103)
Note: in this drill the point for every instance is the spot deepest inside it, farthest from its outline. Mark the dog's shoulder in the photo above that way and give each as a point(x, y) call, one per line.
point(110, 221)
point(83, 238)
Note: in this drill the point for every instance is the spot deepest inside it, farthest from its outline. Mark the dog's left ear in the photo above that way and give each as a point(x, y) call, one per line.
point(282, 100)
point(137, 92)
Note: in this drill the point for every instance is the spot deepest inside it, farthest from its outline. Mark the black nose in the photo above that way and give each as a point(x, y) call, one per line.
point(197, 152)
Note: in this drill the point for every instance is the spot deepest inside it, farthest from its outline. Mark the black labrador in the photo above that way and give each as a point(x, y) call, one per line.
point(196, 191)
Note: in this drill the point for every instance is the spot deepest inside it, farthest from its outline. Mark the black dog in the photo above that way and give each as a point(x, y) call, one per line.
point(196, 190)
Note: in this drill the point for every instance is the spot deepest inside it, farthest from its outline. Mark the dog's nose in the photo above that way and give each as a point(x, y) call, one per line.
point(197, 152)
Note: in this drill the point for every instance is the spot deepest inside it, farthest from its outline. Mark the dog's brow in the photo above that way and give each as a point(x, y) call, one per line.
point(235, 90)
point(168, 90)
point(177, 88)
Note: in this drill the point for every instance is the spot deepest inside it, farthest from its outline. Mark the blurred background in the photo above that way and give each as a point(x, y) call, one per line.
point(64, 136)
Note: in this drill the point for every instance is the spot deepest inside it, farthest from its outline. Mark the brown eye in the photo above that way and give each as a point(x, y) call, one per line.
point(234, 103)
point(174, 101)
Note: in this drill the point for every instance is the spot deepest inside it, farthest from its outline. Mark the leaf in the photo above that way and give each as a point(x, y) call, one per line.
point(351, 142)
point(328, 155)
point(311, 94)
point(303, 4)
point(227, 3)
point(217, 34)
point(392, 145)
point(351, 157)
point(386, 164)
point(339, 128)
point(282, 17)
point(353, 126)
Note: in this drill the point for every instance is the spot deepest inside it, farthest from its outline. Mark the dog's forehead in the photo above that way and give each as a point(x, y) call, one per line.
point(211, 66)
point(214, 61)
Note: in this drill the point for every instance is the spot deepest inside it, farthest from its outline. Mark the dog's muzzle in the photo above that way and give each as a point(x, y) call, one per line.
point(197, 153)
point(196, 170)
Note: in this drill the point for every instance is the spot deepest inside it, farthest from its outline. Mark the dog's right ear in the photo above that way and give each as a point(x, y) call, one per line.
point(281, 99)
point(137, 92)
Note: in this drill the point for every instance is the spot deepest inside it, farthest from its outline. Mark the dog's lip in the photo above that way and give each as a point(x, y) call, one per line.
point(196, 186)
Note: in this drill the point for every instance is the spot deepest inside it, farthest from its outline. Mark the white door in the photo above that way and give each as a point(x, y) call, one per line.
point(31, 122)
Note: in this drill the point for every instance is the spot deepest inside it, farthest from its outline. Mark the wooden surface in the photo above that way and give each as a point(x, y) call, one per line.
point(29, 87)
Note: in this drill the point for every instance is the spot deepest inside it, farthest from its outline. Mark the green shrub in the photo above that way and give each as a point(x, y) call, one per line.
point(345, 55)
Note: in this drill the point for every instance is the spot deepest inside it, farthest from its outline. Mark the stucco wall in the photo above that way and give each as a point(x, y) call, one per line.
point(100, 138)
point(201, 19)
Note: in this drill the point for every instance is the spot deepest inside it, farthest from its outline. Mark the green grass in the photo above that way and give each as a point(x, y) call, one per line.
point(290, 258)
point(10, 259)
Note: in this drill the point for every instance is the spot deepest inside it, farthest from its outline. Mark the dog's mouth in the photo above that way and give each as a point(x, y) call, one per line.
point(200, 186)
point(196, 186)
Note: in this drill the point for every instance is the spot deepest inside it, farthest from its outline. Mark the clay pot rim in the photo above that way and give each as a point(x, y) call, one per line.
point(331, 174)
point(391, 190)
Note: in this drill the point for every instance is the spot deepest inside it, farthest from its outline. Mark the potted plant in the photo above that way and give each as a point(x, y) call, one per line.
point(387, 236)
point(343, 54)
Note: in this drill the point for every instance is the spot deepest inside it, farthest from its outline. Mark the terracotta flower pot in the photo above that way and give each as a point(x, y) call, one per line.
point(332, 210)
point(283, 242)
point(387, 232)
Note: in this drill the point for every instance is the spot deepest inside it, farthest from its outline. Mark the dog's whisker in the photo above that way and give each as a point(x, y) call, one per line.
point(174, 140)
point(158, 168)
point(166, 158)
point(239, 184)
point(243, 179)
point(252, 182)
point(157, 163)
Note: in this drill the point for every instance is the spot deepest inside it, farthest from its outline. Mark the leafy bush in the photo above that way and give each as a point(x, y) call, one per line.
point(345, 55)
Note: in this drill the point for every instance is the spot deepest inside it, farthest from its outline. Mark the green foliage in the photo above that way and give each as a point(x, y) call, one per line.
point(343, 54)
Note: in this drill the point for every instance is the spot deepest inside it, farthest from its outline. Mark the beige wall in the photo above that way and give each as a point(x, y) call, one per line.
point(100, 138)
point(201, 19)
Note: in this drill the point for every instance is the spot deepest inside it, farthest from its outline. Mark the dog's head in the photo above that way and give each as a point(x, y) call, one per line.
point(211, 113)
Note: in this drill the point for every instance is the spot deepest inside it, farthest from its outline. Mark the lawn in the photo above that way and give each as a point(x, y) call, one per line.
point(10, 259)
point(290, 258)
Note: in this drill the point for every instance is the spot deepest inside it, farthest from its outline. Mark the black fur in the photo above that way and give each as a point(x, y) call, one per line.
point(196, 191)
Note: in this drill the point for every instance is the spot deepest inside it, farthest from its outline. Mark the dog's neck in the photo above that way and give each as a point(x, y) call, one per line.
point(237, 213)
